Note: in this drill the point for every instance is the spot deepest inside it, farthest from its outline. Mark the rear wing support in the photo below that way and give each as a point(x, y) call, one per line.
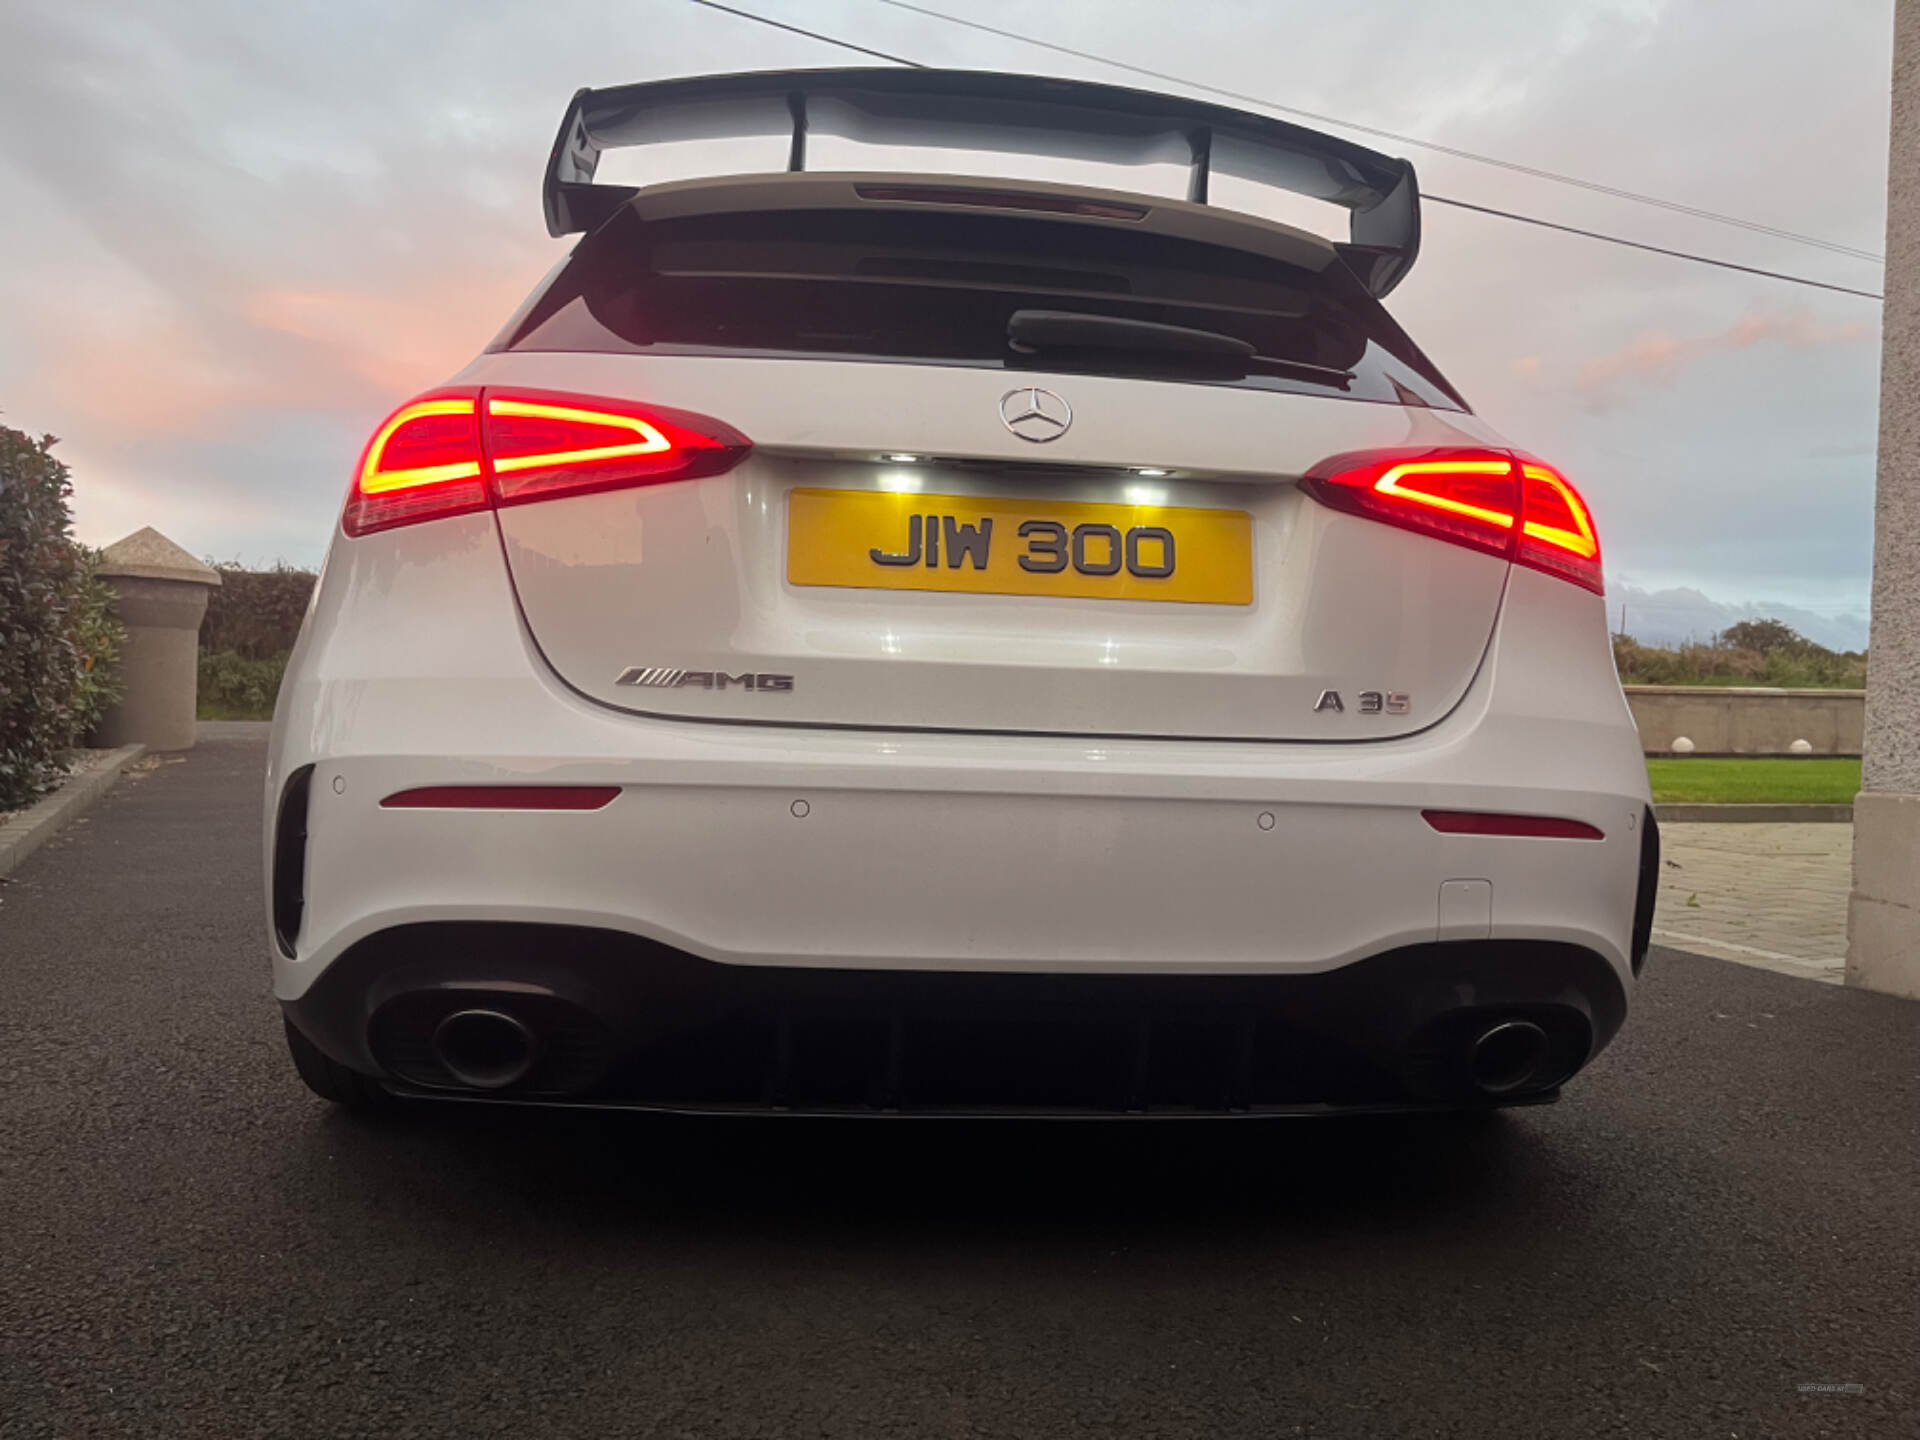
point(983, 110)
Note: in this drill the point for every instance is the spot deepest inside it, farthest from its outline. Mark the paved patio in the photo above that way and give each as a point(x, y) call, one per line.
point(1774, 896)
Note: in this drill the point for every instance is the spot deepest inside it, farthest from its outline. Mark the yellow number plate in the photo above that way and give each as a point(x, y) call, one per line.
point(878, 540)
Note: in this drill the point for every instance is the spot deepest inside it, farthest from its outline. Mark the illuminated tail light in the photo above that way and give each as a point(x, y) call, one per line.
point(452, 452)
point(1490, 500)
point(1557, 535)
point(423, 463)
point(543, 445)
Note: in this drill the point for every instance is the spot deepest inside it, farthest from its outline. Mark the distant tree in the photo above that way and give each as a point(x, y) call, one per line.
point(1798, 663)
point(1764, 637)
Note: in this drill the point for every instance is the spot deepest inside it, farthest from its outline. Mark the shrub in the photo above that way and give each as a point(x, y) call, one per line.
point(256, 614)
point(54, 628)
point(252, 620)
point(99, 636)
point(237, 687)
point(1754, 652)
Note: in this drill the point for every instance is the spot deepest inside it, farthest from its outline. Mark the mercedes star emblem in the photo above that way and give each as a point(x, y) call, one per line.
point(1035, 414)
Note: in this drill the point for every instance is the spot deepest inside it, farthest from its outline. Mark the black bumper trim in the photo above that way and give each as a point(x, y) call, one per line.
point(625, 1021)
point(1648, 891)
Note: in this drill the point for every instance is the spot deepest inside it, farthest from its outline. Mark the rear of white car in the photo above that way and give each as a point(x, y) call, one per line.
point(878, 641)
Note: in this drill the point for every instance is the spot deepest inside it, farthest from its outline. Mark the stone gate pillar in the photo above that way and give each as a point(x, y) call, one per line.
point(1883, 913)
point(160, 593)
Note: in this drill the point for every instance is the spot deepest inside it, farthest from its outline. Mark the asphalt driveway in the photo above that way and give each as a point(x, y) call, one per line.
point(1721, 1212)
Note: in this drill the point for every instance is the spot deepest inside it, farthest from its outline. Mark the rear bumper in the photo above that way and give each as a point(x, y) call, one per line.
point(622, 1021)
point(775, 857)
point(1048, 860)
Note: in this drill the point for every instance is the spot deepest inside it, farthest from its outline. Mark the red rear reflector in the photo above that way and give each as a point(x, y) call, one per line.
point(1478, 822)
point(1484, 499)
point(503, 797)
point(456, 451)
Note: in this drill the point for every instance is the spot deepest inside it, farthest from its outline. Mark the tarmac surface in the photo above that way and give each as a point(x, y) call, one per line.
point(1720, 1213)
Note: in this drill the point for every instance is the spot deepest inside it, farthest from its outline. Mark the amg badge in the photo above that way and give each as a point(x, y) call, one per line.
point(662, 677)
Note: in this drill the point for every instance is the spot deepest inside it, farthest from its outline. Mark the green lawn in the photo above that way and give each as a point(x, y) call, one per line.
point(1817, 780)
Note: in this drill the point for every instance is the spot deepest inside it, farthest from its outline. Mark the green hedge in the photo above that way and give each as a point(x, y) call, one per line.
point(237, 687)
point(58, 643)
point(256, 614)
point(252, 620)
point(1763, 652)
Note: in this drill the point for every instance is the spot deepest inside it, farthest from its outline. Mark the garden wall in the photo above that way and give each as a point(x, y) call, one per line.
point(1742, 721)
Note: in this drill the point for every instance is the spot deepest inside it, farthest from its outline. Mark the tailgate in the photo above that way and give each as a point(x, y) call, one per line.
point(894, 555)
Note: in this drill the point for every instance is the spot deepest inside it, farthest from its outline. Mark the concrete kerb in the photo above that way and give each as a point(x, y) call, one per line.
point(1680, 814)
point(27, 831)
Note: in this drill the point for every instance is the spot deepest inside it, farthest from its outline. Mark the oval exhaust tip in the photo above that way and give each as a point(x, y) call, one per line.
point(1508, 1056)
point(485, 1049)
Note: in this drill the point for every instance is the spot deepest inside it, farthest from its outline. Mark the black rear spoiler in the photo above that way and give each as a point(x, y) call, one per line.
point(983, 110)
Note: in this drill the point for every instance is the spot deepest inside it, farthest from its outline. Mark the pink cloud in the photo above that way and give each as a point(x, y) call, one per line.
point(1657, 353)
point(396, 344)
point(131, 363)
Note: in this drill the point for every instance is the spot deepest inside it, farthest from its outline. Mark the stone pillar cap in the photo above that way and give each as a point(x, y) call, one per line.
point(150, 555)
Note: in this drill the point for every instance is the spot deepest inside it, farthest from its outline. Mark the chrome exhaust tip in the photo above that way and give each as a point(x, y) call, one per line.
point(1508, 1056)
point(485, 1049)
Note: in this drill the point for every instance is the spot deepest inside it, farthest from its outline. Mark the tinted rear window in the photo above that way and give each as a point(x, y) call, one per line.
point(932, 287)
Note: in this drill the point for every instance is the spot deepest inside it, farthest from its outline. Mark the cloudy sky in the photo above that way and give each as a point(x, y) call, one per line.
point(237, 234)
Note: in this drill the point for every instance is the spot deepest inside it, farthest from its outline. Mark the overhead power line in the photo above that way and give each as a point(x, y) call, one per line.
point(1514, 215)
point(1515, 166)
point(1651, 249)
point(810, 34)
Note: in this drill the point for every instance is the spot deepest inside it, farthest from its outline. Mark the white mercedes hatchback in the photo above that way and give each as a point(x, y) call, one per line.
point(863, 641)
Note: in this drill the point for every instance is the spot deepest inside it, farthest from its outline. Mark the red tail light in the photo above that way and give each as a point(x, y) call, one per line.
point(455, 451)
point(1488, 500)
point(423, 463)
point(1558, 534)
point(542, 445)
